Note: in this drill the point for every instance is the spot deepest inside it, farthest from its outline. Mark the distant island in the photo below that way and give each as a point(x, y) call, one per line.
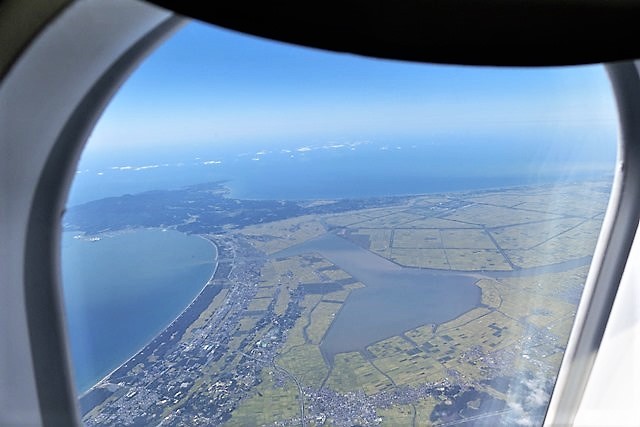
point(409, 310)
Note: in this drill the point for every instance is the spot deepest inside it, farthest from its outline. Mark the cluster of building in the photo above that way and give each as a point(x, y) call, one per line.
point(201, 378)
point(196, 372)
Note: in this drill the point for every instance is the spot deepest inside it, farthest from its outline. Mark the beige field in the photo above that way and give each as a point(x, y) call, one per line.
point(570, 200)
point(282, 302)
point(306, 363)
point(436, 223)
point(266, 290)
point(424, 258)
point(574, 243)
point(424, 407)
point(526, 236)
point(495, 216)
point(337, 295)
point(465, 319)
point(390, 346)
point(248, 322)
point(336, 274)
point(341, 220)
point(379, 238)
point(417, 239)
point(421, 334)
point(491, 296)
point(341, 296)
point(389, 221)
point(275, 236)
point(259, 304)
point(398, 415)
point(266, 404)
point(351, 372)
point(476, 259)
point(507, 199)
point(466, 239)
point(321, 318)
point(562, 327)
point(537, 309)
point(410, 370)
point(295, 336)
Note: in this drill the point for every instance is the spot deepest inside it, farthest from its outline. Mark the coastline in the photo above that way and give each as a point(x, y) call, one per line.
point(140, 350)
point(235, 193)
point(103, 380)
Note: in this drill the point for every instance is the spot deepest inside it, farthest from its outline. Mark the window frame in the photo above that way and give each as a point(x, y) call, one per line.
point(43, 158)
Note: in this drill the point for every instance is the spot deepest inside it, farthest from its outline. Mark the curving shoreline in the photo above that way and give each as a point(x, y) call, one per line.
point(172, 324)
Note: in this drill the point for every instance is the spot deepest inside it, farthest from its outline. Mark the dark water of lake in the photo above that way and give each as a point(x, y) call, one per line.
point(395, 299)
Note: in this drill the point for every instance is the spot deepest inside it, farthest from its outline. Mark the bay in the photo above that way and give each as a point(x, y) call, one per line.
point(121, 290)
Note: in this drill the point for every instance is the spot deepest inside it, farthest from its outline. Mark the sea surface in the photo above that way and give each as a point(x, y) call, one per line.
point(328, 169)
point(121, 290)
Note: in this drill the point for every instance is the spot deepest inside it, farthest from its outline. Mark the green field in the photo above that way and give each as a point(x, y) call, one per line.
point(521, 325)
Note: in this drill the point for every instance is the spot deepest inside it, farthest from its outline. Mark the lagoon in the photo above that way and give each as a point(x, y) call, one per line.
point(395, 298)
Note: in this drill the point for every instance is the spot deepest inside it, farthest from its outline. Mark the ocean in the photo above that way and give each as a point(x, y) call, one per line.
point(121, 290)
point(344, 168)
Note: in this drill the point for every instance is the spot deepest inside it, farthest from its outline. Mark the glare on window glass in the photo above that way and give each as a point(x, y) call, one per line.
point(263, 234)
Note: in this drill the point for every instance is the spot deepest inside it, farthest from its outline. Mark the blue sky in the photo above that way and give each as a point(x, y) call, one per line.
point(208, 86)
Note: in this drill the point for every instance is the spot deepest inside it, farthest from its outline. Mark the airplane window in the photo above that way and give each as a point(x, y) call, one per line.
point(264, 234)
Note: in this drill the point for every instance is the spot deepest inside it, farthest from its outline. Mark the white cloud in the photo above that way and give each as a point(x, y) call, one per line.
point(140, 168)
point(135, 168)
point(212, 162)
point(538, 396)
point(519, 415)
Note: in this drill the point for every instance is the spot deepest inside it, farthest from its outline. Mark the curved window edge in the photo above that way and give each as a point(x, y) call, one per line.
point(41, 284)
point(610, 258)
point(116, 36)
